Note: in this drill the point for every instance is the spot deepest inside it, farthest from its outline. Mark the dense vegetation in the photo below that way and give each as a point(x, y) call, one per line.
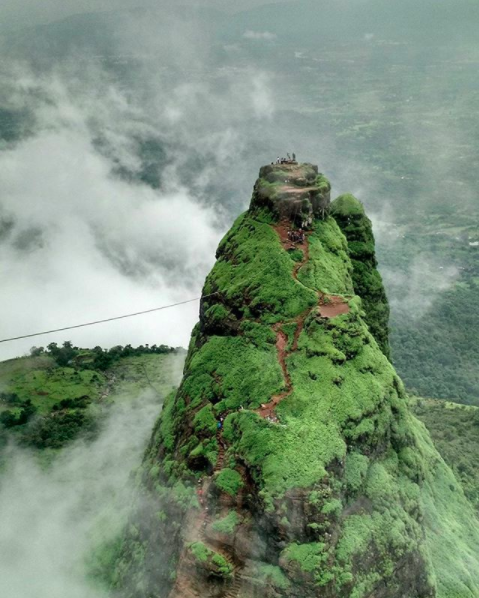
point(452, 527)
point(357, 228)
point(455, 431)
point(447, 366)
point(60, 393)
point(97, 358)
point(407, 142)
point(407, 104)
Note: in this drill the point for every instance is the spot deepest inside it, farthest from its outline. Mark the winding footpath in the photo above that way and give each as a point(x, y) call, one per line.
point(200, 530)
point(330, 306)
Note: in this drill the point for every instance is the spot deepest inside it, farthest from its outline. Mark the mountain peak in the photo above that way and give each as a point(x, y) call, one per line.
point(292, 190)
point(267, 460)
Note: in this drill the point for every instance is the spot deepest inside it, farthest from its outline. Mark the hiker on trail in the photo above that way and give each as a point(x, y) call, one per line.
point(219, 425)
point(294, 157)
point(277, 160)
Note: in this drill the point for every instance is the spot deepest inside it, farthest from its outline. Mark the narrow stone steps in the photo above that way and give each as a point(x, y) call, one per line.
point(234, 590)
point(221, 454)
point(220, 462)
point(204, 525)
point(182, 589)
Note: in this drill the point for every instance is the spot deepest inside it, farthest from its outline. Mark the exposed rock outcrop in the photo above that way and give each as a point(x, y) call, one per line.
point(294, 191)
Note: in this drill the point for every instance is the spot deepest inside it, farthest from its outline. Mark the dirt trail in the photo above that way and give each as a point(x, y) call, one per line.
point(267, 409)
point(298, 190)
point(198, 529)
point(330, 306)
point(282, 228)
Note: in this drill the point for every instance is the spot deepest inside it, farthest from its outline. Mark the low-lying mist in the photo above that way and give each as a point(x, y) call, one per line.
point(52, 517)
point(107, 204)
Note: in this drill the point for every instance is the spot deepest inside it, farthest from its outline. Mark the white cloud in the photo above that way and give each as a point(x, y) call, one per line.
point(87, 243)
point(51, 518)
point(412, 292)
point(107, 247)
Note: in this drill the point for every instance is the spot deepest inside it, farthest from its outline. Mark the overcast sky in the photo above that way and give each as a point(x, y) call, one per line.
point(78, 242)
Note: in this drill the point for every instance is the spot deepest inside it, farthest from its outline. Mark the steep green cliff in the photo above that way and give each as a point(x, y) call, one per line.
point(356, 226)
point(288, 464)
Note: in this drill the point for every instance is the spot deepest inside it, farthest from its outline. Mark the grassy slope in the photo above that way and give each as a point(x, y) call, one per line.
point(46, 384)
point(455, 431)
point(452, 531)
point(452, 527)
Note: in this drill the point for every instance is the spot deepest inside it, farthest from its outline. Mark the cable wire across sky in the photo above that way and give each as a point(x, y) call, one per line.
point(138, 313)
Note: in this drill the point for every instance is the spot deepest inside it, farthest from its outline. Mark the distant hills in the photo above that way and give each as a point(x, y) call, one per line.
point(302, 23)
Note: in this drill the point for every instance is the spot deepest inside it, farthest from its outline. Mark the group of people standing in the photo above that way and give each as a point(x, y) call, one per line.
point(288, 160)
point(296, 236)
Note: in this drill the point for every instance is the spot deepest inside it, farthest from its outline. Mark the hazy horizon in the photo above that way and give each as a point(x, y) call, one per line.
point(128, 150)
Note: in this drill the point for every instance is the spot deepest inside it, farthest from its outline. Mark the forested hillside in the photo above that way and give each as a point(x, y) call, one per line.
point(320, 435)
point(455, 431)
point(70, 401)
point(62, 393)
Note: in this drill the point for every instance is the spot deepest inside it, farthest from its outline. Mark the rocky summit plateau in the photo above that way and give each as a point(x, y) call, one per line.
point(288, 463)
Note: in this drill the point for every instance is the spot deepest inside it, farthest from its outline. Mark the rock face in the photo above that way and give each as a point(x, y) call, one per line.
point(293, 191)
point(287, 464)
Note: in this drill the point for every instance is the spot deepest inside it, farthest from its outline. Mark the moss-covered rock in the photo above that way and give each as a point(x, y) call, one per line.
point(229, 481)
point(209, 561)
point(350, 215)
